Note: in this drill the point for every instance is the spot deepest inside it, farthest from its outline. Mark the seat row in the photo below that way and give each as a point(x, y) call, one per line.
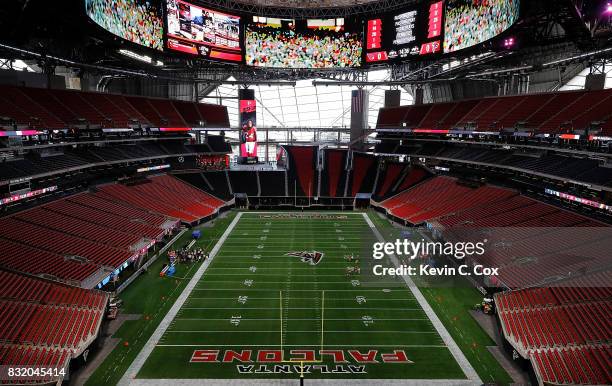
point(545, 113)
point(60, 109)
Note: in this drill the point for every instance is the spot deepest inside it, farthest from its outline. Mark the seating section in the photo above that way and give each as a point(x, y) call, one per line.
point(441, 196)
point(113, 214)
point(80, 228)
point(24, 258)
point(564, 330)
point(562, 165)
point(36, 357)
point(134, 214)
point(83, 157)
point(546, 113)
point(578, 366)
point(46, 324)
point(530, 244)
point(398, 177)
point(63, 244)
point(167, 196)
point(179, 187)
point(60, 109)
point(75, 238)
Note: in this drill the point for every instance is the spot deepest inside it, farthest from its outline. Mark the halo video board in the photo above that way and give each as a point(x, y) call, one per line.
point(306, 43)
point(472, 22)
point(137, 21)
point(203, 32)
point(399, 36)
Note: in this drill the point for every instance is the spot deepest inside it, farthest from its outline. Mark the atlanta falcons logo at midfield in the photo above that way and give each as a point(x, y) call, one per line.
point(312, 258)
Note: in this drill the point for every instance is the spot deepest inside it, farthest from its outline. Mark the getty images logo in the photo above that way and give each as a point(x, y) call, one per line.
point(413, 250)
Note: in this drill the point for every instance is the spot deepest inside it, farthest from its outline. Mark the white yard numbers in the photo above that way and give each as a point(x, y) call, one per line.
point(367, 320)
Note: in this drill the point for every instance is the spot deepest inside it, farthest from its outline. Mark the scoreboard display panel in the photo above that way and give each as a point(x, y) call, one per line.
point(203, 32)
point(404, 35)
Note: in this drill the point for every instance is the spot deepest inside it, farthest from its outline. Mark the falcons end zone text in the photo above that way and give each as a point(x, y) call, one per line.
point(272, 361)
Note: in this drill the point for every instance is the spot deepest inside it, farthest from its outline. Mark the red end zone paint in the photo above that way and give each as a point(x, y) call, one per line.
point(275, 356)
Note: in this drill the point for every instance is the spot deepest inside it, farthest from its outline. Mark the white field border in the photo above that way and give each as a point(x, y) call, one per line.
point(129, 378)
point(465, 365)
point(142, 356)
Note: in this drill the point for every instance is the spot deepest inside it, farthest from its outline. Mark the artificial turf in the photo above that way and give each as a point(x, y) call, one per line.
point(150, 297)
point(256, 297)
point(452, 303)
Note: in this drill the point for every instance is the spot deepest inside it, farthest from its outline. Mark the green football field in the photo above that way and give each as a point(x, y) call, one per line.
point(263, 308)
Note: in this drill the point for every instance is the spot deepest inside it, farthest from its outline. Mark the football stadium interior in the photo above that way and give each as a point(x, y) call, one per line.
point(289, 192)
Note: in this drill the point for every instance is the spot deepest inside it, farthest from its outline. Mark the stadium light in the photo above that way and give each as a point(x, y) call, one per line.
point(143, 58)
point(608, 10)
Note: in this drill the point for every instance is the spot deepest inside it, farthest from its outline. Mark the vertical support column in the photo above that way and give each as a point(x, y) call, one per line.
point(267, 159)
point(359, 116)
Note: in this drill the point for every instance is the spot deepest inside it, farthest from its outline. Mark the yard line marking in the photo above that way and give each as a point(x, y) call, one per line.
point(267, 269)
point(322, 316)
point(332, 331)
point(296, 290)
point(281, 321)
point(303, 308)
point(295, 298)
point(307, 345)
point(298, 282)
point(317, 319)
point(274, 275)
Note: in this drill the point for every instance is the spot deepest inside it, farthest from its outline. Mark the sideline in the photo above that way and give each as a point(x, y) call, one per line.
point(142, 356)
point(465, 365)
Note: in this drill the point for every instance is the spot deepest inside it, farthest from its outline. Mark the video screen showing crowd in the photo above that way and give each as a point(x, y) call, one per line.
point(472, 22)
point(312, 43)
point(137, 21)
